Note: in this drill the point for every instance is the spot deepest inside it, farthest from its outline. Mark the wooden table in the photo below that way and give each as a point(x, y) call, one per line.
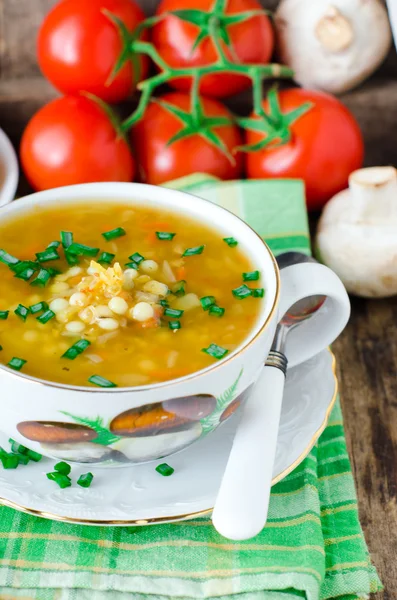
point(367, 350)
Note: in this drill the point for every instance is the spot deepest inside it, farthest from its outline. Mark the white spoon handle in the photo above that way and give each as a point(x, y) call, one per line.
point(241, 507)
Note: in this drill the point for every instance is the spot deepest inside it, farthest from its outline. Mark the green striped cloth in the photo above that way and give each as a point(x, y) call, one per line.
point(312, 546)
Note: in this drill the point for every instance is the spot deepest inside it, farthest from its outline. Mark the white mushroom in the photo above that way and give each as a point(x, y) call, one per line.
point(357, 233)
point(332, 45)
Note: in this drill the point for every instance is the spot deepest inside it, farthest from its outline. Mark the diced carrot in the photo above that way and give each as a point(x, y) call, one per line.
point(151, 237)
point(150, 324)
point(181, 273)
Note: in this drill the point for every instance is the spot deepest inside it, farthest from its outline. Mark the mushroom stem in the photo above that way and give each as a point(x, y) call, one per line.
point(373, 194)
point(334, 31)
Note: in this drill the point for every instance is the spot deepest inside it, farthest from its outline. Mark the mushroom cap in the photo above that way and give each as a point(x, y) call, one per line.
point(56, 432)
point(172, 415)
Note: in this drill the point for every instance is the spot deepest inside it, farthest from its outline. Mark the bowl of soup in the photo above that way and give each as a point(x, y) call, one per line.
point(133, 320)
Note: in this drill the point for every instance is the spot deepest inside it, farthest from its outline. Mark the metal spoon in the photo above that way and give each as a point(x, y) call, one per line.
point(242, 504)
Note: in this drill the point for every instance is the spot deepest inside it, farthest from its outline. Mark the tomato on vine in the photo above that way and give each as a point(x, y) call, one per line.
point(307, 135)
point(74, 139)
point(175, 138)
point(200, 31)
point(83, 45)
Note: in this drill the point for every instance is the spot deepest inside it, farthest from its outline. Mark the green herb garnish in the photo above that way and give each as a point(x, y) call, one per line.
point(4, 315)
point(53, 271)
point(16, 363)
point(164, 303)
point(165, 235)
point(251, 276)
point(230, 241)
point(114, 233)
point(46, 316)
point(101, 381)
point(173, 312)
point(76, 349)
point(39, 307)
point(241, 292)
point(8, 259)
point(9, 461)
point(257, 292)
point(35, 456)
point(24, 272)
point(47, 254)
point(215, 351)
point(55, 244)
point(63, 468)
point(106, 257)
point(174, 325)
point(22, 312)
point(165, 470)
point(62, 480)
point(66, 239)
point(132, 265)
point(82, 250)
point(136, 258)
point(17, 448)
point(216, 311)
point(193, 251)
point(178, 288)
point(42, 278)
point(207, 302)
point(85, 480)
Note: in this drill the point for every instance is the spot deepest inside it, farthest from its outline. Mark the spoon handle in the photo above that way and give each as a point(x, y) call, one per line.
point(241, 506)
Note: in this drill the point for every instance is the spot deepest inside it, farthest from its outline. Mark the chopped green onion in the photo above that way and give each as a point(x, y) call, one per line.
point(9, 461)
point(114, 233)
point(71, 259)
point(25, 273)
point(165, 470)
point(174, 325)
point(251, 276)
point(241, 292)
point(16, 363)
point(4, 315)
point(82, 250)
point(1, 348)
point(164, 303)
point(215, 351)
point(193, 251)
point(35, 456)
point(66, 239)
point(55, 244)
point(85, 480)
point(42, 278)
point(106, 257)
point(132, 265)
point(216, 311)
point(136, 258)
point(230, 241)
point(16, 447)
point(63, 468)
point(53, 271)
point(23, 459)
point(257, 292)
point(207, 302)
point(62, 480)
point(173, 312)
point(76, 349)
point(39, 307)
point(8, 259)
point(46, 316)
point(101, 381)
point(178, 288)
point(22, 265)
point(164, 235)
point(47, 254)
point(22, 312)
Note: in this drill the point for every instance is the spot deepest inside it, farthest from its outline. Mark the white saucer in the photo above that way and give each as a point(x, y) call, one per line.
point(138, 495)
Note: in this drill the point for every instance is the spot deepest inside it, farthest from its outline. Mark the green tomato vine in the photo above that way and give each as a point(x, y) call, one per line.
point(212, 24)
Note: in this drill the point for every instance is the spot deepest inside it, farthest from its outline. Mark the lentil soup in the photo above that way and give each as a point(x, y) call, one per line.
point(121, 295)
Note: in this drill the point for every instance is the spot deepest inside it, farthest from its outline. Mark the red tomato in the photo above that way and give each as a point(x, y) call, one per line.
point(78, 47)
point(159, 162)
point(326, 146)
point(252, 41)
point(73, 140)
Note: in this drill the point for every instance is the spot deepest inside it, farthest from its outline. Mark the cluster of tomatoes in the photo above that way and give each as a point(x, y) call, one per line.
point(83, 50)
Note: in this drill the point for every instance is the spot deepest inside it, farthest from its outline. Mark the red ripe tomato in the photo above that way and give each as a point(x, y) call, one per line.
point(251, 41)
point(325, 147)
point(159, 161)
point(78, 47)
point(74, 140)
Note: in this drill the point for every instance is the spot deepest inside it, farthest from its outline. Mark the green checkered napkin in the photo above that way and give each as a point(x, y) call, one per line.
point(312, 546)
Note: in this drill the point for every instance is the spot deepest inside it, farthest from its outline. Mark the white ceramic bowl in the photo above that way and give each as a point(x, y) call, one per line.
point(8, 170)
point(82, 424)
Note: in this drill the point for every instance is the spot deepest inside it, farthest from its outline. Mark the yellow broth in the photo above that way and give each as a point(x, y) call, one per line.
point(137, 352)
